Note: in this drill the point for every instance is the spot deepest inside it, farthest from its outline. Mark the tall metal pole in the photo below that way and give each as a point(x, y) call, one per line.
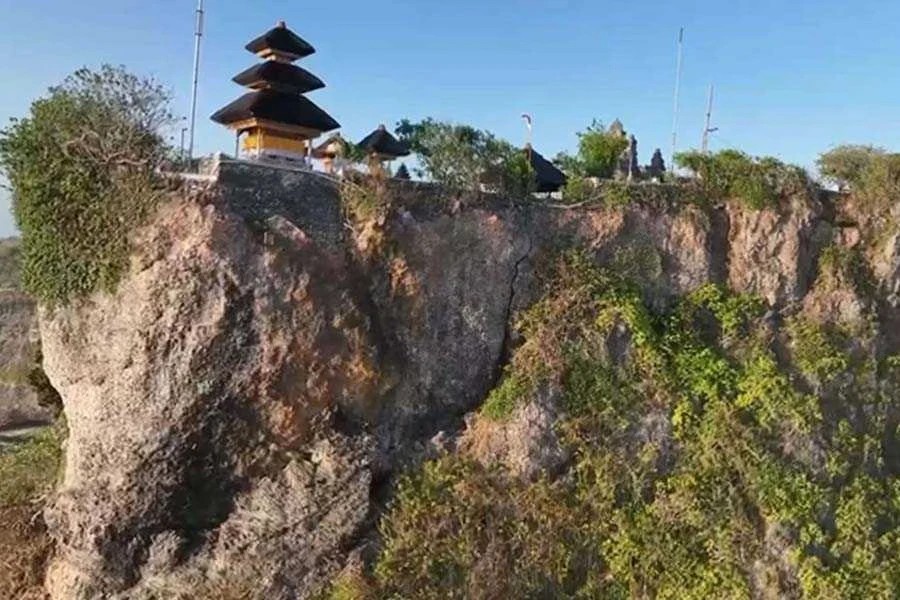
point(198, 35)
point(707, 129)
point(675, 102)
point(181, 151)
point(529, 126)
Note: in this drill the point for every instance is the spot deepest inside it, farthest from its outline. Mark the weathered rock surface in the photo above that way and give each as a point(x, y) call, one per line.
point(773, 253)
point(18, 342)
point(198, 399)
point(526, 443)
point(236, 404)
point(442, 299)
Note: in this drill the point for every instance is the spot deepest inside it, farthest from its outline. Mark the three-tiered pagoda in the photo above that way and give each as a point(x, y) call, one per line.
point(275, 118)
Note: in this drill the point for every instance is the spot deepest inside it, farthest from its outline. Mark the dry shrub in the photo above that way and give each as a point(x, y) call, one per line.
point(25, 549)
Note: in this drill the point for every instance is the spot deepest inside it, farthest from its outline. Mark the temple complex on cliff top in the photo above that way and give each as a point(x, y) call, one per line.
point(276, 122)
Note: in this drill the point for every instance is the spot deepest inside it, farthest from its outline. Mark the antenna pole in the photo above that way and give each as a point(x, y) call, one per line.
point(181, 147)
point(707, 129)
point(675, 101)
point(198, 35)
point(529, 126)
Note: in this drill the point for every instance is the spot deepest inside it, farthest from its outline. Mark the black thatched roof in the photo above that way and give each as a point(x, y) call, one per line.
point(549, 178)
point(382, 142)
point(281, 76)
point(281, 39)
point(275, 106)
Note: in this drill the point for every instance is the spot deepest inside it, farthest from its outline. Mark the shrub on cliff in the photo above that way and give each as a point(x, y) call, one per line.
point(877, 186)
point(844, 165)
point(465, 158)
point(730, 174)
point(598, 152)
point(81, 167)
point(701, 467)
point(869, 173)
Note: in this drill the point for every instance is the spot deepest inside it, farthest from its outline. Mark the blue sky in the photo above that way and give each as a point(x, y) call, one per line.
point(792, 77)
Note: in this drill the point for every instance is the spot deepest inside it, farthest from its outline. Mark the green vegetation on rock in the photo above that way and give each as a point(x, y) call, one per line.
point(730, 174)
point(845, 165)
point(463, 158)
point(82, 171)
point(598, 152)
point(872, 174)
point(30, 469)
point(10, 264)
point(700, 468)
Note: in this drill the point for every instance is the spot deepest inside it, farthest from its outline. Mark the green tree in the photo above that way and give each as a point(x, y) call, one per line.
point(758, 182)
point(82, 170)
point(878, 187)
point(462, 157)
point(598, 152)
point(846, 164)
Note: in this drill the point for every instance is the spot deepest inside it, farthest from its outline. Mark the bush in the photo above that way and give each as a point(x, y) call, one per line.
point(82, 171)
point(598, 153)
point(599, 150)
point(878, 186)
point(685, 480)
point(844, 165)
point(757, 182)
point(579, 189)
point(463, 158)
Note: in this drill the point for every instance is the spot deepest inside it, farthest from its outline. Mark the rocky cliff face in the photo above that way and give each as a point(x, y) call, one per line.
point(237, 408)
point(19, 405)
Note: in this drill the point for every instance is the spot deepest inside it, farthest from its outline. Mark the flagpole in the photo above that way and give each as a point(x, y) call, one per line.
point(529, 125)
point(675, 100)
point(198, 35)
point(707, 128)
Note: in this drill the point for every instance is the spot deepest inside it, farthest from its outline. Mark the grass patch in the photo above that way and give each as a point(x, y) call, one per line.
point(28, 471)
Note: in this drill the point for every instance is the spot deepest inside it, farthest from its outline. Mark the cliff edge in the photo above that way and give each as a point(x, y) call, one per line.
point(239, 408)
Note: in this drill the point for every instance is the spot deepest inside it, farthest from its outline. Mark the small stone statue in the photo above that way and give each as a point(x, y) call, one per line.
point(634, 170)
point(627, 168)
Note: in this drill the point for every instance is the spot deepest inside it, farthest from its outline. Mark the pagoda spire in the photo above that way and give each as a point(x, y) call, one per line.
point(275, 118)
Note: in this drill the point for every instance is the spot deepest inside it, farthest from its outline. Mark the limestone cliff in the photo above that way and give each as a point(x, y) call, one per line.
point(238, 407)
point(19, 405)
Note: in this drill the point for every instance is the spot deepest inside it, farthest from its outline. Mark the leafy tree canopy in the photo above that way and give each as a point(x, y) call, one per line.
point(758, 182)
point(81, 167)
point(465, 158)
point(845, 165)
point(598, 152)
